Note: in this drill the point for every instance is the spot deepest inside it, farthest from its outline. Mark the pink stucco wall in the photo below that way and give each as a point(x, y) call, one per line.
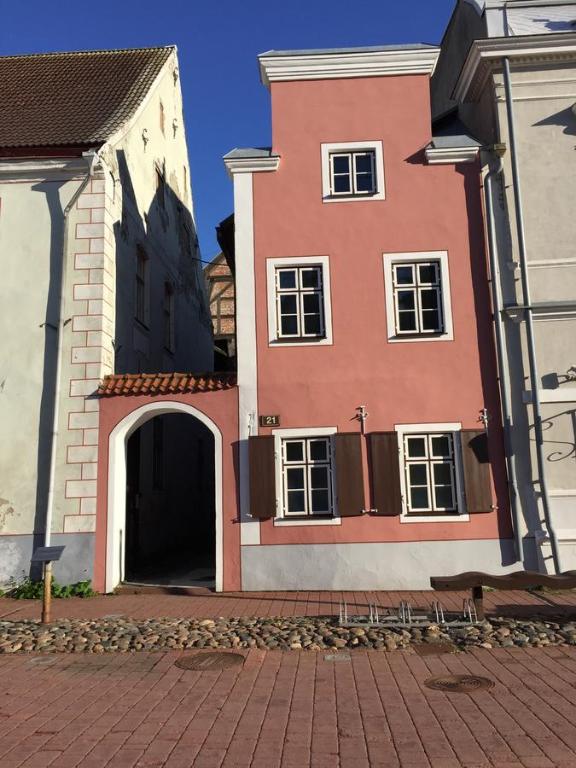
point(221, 407)
point(427, 208)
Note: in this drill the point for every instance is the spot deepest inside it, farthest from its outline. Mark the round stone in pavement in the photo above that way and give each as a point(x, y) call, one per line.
point(459, 683)
point(210, 661)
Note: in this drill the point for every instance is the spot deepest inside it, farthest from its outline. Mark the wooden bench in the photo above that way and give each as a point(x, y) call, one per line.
point(476, 581)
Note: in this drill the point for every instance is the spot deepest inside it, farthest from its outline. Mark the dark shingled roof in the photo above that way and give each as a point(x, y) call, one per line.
point(66, 99)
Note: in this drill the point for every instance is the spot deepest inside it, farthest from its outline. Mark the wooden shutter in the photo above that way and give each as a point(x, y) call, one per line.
point(262, 477)
point(349, 474)
point(476, 466)
point(385, 473)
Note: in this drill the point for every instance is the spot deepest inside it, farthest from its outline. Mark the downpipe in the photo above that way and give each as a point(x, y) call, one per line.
point(502, 356)
point(529, 319)
point(92, 159)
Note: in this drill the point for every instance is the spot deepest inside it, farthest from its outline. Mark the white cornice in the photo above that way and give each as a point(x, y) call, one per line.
point(35, 168)
point(329, 66)
point(251, 164)
point(448, 156)
point(487, 55)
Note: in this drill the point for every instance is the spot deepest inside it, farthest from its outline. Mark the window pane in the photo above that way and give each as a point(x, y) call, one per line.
point(404, 275)
point(364, 182)
point(311, 302)
point(342, 184)
point(442, 474)
point(341, 163)
point(312, 325)
point(444, 498)
point(419, 498)
point(364, 163)
point(287, 278)
point(294, 451)
point(428, 273)
point(406, 300)
point(320, 502)
point(430, 320)
point(407, 321)
point(418, 474)
point(310, 278)
point(295, 478)
point(289, 326)
point(441, 446)
point(288, 304)
point(429, 299)
point(318, 450)
point(319, 477)
point(296, 502)
point(416, 447)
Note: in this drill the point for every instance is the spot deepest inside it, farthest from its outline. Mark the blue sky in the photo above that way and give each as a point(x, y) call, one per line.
point(218, 41)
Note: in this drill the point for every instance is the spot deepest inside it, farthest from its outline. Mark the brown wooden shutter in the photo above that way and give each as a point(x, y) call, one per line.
point(349, 474)
point(385, 473)
point(262, 477)
point(476, 466)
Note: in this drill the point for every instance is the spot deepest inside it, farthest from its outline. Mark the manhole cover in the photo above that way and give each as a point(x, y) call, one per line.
point(434, 649)
point(459, 683)
point(210, 661)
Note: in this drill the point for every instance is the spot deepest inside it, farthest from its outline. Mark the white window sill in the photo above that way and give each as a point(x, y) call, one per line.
point(279, 343)
point(354, 198)
point(422, 338)
point(435, 519)
point(286, 522)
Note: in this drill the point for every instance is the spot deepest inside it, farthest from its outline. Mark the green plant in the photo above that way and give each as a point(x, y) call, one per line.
point(28, 589)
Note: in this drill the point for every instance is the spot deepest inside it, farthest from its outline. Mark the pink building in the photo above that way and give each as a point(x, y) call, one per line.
point(353, 452)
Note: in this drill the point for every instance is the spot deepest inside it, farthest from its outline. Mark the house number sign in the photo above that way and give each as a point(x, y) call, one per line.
point(269, 421)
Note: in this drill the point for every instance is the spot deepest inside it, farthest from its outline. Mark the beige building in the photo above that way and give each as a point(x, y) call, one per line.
point(100, 273)
point(508, 67)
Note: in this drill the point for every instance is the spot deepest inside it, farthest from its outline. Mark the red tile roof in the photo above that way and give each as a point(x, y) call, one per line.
point(165, 383)
point(80, 98)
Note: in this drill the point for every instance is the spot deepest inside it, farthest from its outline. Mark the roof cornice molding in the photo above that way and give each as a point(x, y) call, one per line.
point(451, 155)
point(501, 4)
point(330, 66)
point(251, 164)
point(486, 56)
point(35, 168)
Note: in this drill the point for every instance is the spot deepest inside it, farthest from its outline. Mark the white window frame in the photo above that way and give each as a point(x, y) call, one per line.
point(142, 284)
point(300, 292)
point(274, 340)
point(346, 148)
point(455, 428)
point(304, 434)
point(390, 259)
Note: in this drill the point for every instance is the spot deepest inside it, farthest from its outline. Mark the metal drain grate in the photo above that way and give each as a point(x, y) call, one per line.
point(434, 649)
point(459, 683)
point(211, 661)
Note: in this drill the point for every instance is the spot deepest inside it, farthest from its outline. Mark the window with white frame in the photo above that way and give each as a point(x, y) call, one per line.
point(430, 473)
point(418, 297)
point(141, 286)
point(353, 171)
point(307, 477)
point(299, 302)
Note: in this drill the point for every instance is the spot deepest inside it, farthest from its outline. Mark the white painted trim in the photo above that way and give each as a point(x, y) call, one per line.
point(350, 146)
point(307, 432)
point(336, 65)
point(452, 155)
point(246, 345)
point(567, 261)
point(486, 55)
point(236, 165)
point(116, 516)
point(31, 169)
point(389, 260)
point(298, 261)
point(455, 428)
point(563, 492)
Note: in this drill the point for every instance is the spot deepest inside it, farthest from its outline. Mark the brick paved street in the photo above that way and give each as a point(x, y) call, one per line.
point(291, 710)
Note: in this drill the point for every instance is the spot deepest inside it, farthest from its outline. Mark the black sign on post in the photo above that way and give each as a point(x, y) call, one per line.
point(269, 421)
point(47, 554)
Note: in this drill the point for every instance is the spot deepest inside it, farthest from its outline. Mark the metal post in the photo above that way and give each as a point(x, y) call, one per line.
point(47, 599)
point(534, 377)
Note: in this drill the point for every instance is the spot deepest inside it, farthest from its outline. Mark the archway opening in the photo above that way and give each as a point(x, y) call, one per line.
point(170, 528)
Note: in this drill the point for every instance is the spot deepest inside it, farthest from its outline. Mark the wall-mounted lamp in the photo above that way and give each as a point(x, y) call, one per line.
point(145, 138)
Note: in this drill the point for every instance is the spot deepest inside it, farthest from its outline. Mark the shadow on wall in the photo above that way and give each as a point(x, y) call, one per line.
point(166, 226)
point(565, 119)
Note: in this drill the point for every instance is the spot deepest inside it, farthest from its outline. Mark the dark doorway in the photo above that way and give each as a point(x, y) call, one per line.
point(170, 503)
